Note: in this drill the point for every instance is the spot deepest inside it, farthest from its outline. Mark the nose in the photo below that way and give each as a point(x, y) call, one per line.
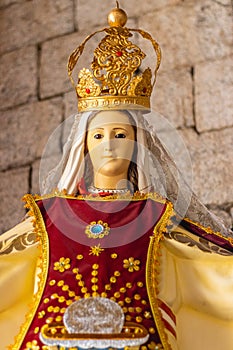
point(108, 144)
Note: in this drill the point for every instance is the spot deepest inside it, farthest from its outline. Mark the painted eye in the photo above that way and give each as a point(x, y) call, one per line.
point(120, 136)
point(98, 136)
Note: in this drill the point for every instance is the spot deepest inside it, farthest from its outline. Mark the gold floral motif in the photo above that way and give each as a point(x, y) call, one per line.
point(96, 250)
point(131, 264)
point(62, 265)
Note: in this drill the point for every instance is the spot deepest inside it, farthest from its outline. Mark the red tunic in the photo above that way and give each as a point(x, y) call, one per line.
point(81, 265)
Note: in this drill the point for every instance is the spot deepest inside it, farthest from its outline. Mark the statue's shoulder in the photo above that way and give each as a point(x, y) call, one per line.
point(18, 238)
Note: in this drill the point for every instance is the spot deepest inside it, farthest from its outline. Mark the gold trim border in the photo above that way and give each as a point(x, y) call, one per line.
point(113, 102)
point(152, 272)
point(208, 230)
point(90, 197)
point(43, 264)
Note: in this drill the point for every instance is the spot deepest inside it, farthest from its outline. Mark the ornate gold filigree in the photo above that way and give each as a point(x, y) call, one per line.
point(115, 61)
point(87, 86)
point(115, 78)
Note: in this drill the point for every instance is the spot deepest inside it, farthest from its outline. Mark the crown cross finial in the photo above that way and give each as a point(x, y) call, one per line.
point(117, 17)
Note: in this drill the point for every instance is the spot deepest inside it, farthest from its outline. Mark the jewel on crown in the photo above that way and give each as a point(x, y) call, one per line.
point(114, 80)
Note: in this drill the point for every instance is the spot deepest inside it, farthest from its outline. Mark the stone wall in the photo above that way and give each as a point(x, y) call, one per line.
point(194, 87)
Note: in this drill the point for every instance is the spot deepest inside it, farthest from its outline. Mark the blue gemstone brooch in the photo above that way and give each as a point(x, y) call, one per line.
point(97, 229)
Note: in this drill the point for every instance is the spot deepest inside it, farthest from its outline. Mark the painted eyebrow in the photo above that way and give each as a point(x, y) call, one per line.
point(118, 128)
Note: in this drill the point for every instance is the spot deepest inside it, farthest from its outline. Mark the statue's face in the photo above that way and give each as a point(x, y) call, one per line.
point(110, 143)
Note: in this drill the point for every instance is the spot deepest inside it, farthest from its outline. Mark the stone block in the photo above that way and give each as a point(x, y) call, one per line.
point(18, 71)
point(34, 21)
point(214, 94)
point(211, 154)
point(5, 3)
point(14, 184)
point(94, 14)
point(53, 68)
point(173, 96)
point(70, 103)
point(191, 32)
point(26, 131)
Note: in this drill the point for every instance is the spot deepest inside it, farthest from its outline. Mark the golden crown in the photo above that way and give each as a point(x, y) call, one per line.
point(115, 80)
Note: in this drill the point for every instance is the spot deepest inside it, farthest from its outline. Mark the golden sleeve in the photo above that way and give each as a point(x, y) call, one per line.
point(18, 270)
point(196, 282)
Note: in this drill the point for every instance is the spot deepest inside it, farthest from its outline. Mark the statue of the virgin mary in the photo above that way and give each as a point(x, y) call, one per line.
point(116, 252)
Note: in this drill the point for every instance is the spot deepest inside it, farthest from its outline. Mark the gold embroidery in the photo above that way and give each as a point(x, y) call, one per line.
point(79, 256)
point(131, 264)
point(62, 265)
point(152, 330)
point(41, 314)
point(32, 345)
point(127, 196)
point(147, 314)
point(152, 272)
point(208, 230)
point(139, 319)
point(96, 250)
point(154, 346)
point(36, 330)
point(58, 319)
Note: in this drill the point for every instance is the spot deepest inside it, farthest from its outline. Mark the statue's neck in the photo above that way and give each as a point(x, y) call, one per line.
point(111, 182)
